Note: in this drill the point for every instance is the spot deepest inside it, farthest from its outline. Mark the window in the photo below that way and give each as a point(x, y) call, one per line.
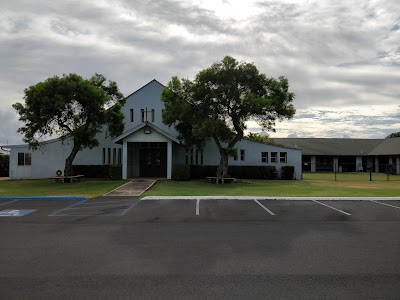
point(131, 115)
point(114, 156)
point(189, 156)
point(145, 115)
point(201, 157)
point(283, 157)
point(24, 159)
point(274, 156)
point(241, 154)
point(104, 156)
point(120, 156)
point(197, 156)
point(264, 157)
point(109, 156)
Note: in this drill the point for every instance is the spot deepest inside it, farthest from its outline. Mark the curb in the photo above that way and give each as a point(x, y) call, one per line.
point(53, 198)
point(270, 198)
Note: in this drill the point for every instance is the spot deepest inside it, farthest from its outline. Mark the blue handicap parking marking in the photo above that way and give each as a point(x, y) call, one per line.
point(16, 212)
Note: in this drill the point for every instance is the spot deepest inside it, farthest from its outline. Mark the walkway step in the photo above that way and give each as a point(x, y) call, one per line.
point(135, 187)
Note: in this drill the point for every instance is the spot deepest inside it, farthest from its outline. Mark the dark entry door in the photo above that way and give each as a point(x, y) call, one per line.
point(153, 160)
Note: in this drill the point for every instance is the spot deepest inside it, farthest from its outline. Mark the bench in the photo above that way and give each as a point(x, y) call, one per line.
point(62, 179)
point(220, 179)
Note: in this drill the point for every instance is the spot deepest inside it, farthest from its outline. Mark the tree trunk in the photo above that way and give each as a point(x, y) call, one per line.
point(223, 164)
point(70, 159)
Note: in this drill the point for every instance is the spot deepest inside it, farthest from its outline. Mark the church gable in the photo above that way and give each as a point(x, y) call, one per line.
point(145, 105)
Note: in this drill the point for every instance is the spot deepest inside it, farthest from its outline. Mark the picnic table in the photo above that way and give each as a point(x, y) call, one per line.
point(220, 179)
point(73, 178)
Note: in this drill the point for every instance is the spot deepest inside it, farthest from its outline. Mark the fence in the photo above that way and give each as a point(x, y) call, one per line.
point(352, 172)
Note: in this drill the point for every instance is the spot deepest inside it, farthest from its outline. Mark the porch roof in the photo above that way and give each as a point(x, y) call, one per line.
point(119, 139)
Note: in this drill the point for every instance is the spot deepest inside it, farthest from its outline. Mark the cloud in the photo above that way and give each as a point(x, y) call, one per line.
point(336, 54)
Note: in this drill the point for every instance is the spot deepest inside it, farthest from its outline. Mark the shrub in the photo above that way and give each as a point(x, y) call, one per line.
point(4, 165)
point(98, 171)
point(287, 173)
point(116, 172)
point(180, 173)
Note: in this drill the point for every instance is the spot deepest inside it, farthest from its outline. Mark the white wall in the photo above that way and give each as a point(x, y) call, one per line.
point(50, 158)
point(253, 156)
point(45, 162)
point(148, 96)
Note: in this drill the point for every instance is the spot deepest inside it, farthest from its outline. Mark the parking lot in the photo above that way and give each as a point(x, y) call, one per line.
point(126, 247)
point(134, 210)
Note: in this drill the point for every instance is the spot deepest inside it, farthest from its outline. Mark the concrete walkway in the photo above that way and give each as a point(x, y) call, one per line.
point(135, 187)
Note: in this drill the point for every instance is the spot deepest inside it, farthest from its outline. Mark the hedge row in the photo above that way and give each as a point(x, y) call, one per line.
point(4, 165)
point(240, 172)
point(98, 171)
point(287, 173)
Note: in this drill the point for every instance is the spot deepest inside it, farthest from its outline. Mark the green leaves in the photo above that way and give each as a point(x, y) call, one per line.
point(220, 100)
point(70, 106)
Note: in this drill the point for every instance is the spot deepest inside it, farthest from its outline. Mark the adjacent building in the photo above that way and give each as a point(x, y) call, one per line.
point(347, 155)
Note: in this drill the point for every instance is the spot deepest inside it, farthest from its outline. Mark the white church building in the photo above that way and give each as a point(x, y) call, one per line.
point(147, 147)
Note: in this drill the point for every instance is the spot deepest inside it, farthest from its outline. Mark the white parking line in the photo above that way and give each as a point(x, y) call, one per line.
point(112, 201)
point(54, 214)
point(84, 207)
point(8, 202)
point(133, 205)
point(343, 212)
point(270, 212)
point(197, 207)
point(385, 204)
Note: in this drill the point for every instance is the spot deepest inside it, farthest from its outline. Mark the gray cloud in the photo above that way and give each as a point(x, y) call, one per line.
point(335, 54)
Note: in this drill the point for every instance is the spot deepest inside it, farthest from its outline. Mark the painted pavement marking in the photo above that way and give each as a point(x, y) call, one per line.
point(8, 202)
point(197, 207)
point(385, 204)
point(343, 212)
point(84, 207)
point(16, 212)
point(111, 201)
point(266, 209)
point(55, 214)
point(132, 206)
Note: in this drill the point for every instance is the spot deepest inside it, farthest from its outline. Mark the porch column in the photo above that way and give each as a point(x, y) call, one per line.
point(398, 165)
point(125, 160)
point(313, 164)
point(376, 164)
point(169, 159)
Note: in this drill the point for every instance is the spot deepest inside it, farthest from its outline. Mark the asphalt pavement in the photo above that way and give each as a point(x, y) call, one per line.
point(127, 248)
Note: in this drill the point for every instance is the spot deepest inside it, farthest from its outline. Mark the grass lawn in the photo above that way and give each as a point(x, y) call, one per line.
point(313, 184)
point(46, 187)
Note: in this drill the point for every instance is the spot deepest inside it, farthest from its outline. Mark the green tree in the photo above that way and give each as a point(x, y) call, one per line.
point(393, 135)
point(219, 101)
point(70, 107)
point(261, 139)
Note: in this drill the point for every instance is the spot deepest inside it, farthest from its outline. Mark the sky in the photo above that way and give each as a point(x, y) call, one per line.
point(342, 58)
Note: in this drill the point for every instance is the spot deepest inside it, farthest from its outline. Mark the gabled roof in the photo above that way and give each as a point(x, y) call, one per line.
point(331, 146)
point(390, 146)
point(154, 80)
point(142, 125)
